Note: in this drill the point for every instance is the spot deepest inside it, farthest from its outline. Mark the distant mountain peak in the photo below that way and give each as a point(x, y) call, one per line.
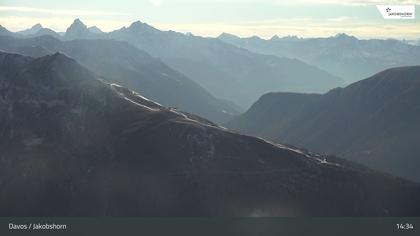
point(4, 31)
point(255, 37)
point(137, 24)
point(3, 28)
point(77, 23)
point(77, 30)
point(33, 30)
point(227, 35)
point(95, 30)
point(46, 31)
point(344, 36)
point(275, 37)
point(58, 54)
point(290, 38)
point(58, 57)
point(140, 26)
point(37, 26)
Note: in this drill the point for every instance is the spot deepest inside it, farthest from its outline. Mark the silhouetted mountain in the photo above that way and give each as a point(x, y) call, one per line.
point(5, 32)
point(33, 30)
point(126, 65)
point(228, 36)
point(342, 55)
point(375, 121)
point(271, 112)
point(95, 30)
point(225, 70)
point(72, 145)
point(78, 30)
point(45, 31)
point(275, 37)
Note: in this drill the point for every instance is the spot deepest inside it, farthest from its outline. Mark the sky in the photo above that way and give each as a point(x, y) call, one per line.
point(245, 18)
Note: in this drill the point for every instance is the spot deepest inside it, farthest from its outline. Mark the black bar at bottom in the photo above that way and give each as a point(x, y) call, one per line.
point(300, 226)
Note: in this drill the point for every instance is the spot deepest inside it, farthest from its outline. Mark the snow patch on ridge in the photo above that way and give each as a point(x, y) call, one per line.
point(122, 95)
point(316, 157)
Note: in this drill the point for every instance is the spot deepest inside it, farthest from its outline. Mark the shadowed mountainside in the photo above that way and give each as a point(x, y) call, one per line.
point(375, 121)
point(73, 145)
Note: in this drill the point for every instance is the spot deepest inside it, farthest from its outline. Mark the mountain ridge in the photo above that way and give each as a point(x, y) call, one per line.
point(83, 147)
point(130, 67)
point(224, 70)
point(343, 55)
point(373, 121)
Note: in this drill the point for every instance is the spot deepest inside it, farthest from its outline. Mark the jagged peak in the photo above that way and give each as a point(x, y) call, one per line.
point(47, 30)
point(275, 37)
point(140, 25)
point(32, 30)
point(3, 28)
point(227, 35)
point(286, 38)
point(63, 67)
point(77, 29)
point(95, 29)
point(57, 57)
point(58, 54)
point(136, 24)
point(255, 37)
point(344, 36)
point(37, 26)
point(77, 23)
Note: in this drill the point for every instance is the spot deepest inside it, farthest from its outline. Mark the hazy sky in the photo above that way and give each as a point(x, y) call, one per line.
point(264, 18)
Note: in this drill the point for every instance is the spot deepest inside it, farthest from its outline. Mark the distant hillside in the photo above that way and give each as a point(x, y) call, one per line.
point(375, 121)
point(271, 112)
point(342, 55)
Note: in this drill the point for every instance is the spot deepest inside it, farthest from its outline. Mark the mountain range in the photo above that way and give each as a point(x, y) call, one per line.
point(31, 31)
point(124, 64)
point(34, 31)
point(343, 55)
point(375, 121)
point(72, 144)
point(227, 72)
point(78, 30)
